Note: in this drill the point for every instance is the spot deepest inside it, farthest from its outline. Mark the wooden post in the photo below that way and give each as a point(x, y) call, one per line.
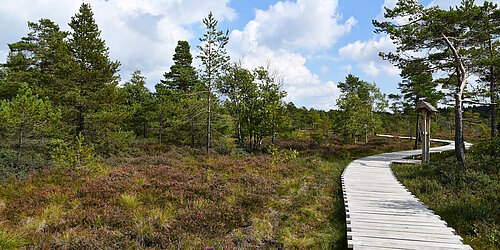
point(423, 129)
point(428, 136)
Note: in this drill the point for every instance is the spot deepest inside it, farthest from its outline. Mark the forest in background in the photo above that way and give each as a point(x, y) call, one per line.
point(62, 98)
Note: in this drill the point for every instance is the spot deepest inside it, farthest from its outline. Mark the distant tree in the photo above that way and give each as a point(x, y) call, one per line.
point(178, 98)
point(359, 102)
point(417, 85)
point(271, 102)
point(140, 104)
point(214, 58)
point(182, 75)
point(487, 56)
point(28, 116)
point(255, 100)
point(239, 87)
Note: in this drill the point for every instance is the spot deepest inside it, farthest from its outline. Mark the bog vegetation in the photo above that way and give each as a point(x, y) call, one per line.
point(214, 156)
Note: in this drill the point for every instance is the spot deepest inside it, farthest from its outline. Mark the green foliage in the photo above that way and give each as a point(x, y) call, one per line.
point(28, 117)
point(182, 75)
point(94, 88)
point(11, 241)
point(359, 103)
point(140, 105)
point(29, 113)
point(180, 99)
point(72, 156)
point(255, 102)
point(282, 155)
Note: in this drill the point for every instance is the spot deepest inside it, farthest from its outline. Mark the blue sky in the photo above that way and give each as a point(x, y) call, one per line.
point(311, 44)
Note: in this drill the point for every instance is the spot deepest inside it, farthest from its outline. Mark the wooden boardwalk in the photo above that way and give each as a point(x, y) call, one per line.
point(382, 214)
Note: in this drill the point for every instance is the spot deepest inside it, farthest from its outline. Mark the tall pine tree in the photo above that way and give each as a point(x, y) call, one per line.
point(214, 58)
point(94, 77)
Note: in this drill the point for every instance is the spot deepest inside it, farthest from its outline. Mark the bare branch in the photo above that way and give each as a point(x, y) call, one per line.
point(481, 103)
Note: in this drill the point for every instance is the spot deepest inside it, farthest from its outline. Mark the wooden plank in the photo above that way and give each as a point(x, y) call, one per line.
point(414, 236)
point(382, 214)
point(403, 244)
point(400, 228)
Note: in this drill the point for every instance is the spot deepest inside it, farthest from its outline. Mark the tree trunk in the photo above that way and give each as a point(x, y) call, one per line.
point(366, 134)
point(272, 133)
point(81, 118)
point(462, 81)
point(240, 139)
point(192, 132)
point(251, 140)
point(81, 121)
point(492, 91)
point(459, 133)
point(208, 117)
point(493, 107)
point(160, 129)
point(21, 131)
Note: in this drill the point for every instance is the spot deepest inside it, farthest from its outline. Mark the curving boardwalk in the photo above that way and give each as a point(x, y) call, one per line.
point(382, 214)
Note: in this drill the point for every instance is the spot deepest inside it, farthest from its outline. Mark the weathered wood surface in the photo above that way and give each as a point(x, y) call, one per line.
point(382, 214)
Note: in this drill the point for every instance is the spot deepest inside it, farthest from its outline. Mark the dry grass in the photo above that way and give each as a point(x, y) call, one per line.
point(179, 198)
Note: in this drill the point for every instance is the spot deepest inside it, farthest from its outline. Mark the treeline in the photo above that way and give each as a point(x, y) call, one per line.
point(61, 96)
point(61, 100)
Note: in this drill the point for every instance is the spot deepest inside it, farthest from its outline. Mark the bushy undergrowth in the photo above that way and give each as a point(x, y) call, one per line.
point(167, 197)
point(467, 197)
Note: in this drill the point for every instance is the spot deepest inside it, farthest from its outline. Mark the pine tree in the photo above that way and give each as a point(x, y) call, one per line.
point(28, 116)
point(42, 60)
point(139, 103)
point(214, 58)
point(417, 86)
point(487, 56)
point(182, 75)
point(94, 76)
point(176, 96)
point(445, 36)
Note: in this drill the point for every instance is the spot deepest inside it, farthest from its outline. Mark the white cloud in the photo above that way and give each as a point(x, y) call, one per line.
point(366, 55)
point(140, 34)
point(276, 34)
point(310, 24)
